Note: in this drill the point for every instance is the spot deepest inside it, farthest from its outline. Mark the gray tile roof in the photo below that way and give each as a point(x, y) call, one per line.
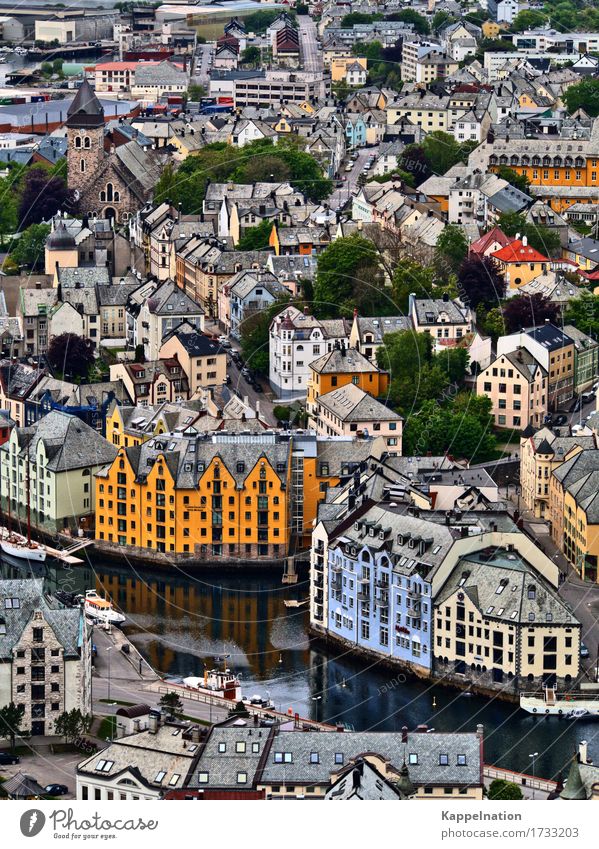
point(342, 361)
point(67, 624)
point(351, 404)
point(83, 277)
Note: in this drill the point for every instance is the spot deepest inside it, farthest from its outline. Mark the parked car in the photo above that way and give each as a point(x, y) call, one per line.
point(258, 388)
point(560, 420)
point(584, 652)
point(7, 758)
point(349, 166)
point(56, 790)
point(224, 342)
point(587, 396)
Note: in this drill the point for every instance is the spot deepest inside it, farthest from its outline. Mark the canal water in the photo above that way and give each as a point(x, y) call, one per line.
point(180, 621)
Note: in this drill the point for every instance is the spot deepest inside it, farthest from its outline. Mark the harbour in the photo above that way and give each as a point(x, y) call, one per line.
point(184, 622)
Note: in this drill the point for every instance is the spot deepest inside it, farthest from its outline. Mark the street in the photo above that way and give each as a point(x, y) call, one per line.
point(341, 196)
point(311, 53)
point(203, 62)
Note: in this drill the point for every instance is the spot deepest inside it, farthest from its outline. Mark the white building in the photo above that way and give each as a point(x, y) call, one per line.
point(296, 340)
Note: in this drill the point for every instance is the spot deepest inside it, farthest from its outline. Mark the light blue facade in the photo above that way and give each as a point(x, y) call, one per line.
point(355, 133)
point(379, 605)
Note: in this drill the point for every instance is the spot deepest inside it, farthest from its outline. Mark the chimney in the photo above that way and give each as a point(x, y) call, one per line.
point(583, 753)
point(306, 309)
point(355, 312)
point(404, 734)
point(525, 241)
point(154, 721)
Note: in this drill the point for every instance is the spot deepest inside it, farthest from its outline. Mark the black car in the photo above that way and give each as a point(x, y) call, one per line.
point(56, 790)
point(258, 388)
point(6, 758)
point(560, 420)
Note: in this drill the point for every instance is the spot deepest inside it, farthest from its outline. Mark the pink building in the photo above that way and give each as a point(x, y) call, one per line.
point(517, 386)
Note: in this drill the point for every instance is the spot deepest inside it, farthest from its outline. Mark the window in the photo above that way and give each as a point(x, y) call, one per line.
point(444, 760)
point(338, 757)
point(412, 758)
point(222, 747)
point(202, 778)
point(314, 758)
point(242, 777)
point(462, 760)
point(283, 758)
point(240, 746)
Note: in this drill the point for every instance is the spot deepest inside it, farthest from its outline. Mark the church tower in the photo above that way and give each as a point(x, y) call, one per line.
point(85, 139)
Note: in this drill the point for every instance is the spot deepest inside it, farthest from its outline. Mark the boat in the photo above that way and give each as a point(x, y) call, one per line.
point(101, 610)
point(293, 602)
point(258, 701)
point(552, 703)
point(17, 546)
point(217, 682)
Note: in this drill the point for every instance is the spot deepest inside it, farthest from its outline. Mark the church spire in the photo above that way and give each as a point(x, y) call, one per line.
point(86, 111)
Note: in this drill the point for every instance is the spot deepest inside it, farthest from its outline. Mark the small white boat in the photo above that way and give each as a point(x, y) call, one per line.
point(552, 703)
point(16, 545)
point(577, 713)
point(101, 610)
point(221, 683)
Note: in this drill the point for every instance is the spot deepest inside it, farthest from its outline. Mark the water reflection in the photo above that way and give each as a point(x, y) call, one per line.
point(181, 621)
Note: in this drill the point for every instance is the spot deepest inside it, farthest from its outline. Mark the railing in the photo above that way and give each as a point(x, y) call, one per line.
point(520, 778)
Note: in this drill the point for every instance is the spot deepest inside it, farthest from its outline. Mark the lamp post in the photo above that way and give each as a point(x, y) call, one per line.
point(316, 699)
point(533, 756)
point(108, 650)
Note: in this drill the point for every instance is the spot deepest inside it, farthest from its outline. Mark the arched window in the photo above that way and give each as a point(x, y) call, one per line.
point(77, 141)
point(109, 192)
point(82, 165)
point(117, 196)
point(87, 142)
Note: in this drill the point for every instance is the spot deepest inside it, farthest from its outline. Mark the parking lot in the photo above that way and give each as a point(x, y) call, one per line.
point(47, 768)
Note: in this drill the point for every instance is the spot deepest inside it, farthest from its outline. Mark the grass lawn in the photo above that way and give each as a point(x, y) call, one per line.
point(107, 728)
point(117, 702)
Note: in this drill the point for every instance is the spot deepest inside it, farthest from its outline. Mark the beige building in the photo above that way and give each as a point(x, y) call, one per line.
point(339, 67)
point(60, 455)
point(517, 386)
point(45, 656)
point(349, 411)
point(203, 361)
point(498, 621)
point(155, 310)
point(153, 382)
point(540, 454)
point(447, 320)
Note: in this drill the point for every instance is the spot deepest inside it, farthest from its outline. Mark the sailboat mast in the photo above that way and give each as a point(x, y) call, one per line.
point(28, 479)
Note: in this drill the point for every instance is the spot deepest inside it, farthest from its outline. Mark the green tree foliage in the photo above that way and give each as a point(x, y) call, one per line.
point(454, 362)
point(255, 336)
point(415, 375)
point(519, 181)
point(255, 238)
point(196, 92)
point(528, 19)
point(30, 246)
point(251, 55)
point(440, 19)
point(8, 210)
point(171, 703)
point(491, 322)
point(409, 16)
point(501, 790)
point(260, 160)
point(423, 281)
point(461, 428)
point(11, 719)
point(348, 275)
point(583, 95)
point(442, 151)
point(544, 239)
point(72, 724)
point(583, 313)
point(259, 22)
point(452, 246)
point(494, 45)
point(354, 18)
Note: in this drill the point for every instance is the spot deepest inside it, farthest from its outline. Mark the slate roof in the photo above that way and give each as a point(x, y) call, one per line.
point(84, 276)
point(549, 336)
point(364, 783)
point(68, 441)
point(169, 299)
point(351, 404)
point(428, 311)
point(67, 623)
point(342, 361)
point(196, 344)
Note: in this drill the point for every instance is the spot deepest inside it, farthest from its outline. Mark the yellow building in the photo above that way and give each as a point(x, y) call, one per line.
point(574, 515)
point(339, 66)
point(230, 495)
point(202, 360)
point(520, 263)
point(491, 29)
point(338, 368)
point(540, 454)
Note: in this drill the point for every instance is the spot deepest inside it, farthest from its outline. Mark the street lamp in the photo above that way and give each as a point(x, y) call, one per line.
point(533, 756)
point(108, 650)
point(316, 699)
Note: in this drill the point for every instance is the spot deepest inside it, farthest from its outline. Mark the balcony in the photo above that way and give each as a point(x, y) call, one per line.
point(414, 611)
point(336, 568)
point(415, 594)
point(318, 582)
point(364, 595)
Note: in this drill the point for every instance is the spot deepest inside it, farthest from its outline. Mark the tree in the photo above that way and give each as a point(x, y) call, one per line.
point(171, 703)
point(494, 45)
point(255, 331)
point(528, 310)
point(462, 429)
point(353, 18)
point(251, 55)
point(543, 239)
point(415, 161)
point(583, 313)
point(42, 196)
point(528, 19)
point(72, 724)
point(440, 19)
point(504, 791)
point(8, 211)
point(583, 95)
point(519, 181)
point(255, 238)
point(337, 278)
point(454, 362)
point(442, 151)
point(481, 281)
point(452, 245)
point(71, 354)
point(140, 356)
point(196, 92)
point(30, 246)
point(409, 16)
point(492, 322)
point(11, 718)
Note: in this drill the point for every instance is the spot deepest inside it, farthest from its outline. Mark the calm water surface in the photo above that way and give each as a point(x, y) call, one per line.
point(180, 621)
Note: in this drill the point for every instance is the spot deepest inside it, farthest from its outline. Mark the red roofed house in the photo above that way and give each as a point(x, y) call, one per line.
point(520, 262)
point(492, 241)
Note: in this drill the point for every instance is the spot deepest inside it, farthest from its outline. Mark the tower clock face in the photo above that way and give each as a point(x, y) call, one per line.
point(81, 131)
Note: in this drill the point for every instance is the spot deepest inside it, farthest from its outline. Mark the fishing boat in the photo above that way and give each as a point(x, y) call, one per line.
point(101, 610)
point(216, 682)
point(552, 703)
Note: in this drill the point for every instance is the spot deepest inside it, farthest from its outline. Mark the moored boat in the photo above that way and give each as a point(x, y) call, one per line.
point(222, 683)
point(101, 610)
point(571, 705)
point(16, 545)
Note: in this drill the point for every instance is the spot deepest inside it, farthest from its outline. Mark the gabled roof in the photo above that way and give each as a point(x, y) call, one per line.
point(517, 251)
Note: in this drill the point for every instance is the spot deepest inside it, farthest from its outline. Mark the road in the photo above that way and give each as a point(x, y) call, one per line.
point(340, 197)
point(203, 62)
point(311, 53)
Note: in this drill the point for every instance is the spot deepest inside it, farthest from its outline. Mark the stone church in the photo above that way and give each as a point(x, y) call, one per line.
point(109, 182)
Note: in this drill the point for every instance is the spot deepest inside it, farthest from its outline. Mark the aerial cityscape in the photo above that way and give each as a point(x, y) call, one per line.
point(299, 429)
